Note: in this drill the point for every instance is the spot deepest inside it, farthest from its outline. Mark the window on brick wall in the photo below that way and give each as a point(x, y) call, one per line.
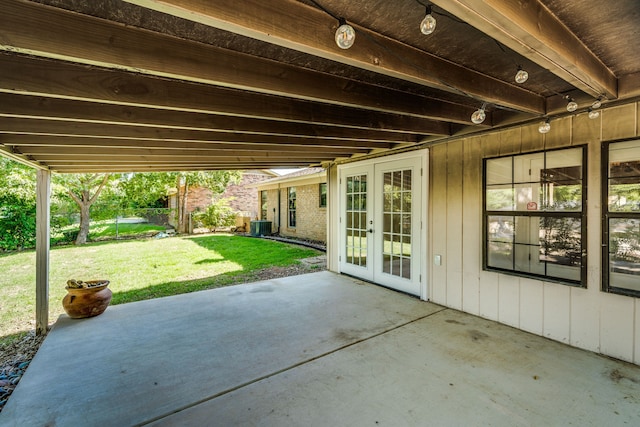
point(292, 206)
point(323, 195)
point(263, 204)
point(534, 215)
point(621, 222)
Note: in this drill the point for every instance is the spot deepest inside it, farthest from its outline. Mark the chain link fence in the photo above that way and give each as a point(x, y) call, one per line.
point(108, 222)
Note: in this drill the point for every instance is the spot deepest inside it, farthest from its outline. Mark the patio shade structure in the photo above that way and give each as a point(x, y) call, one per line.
point(160, 85)
point(148, 85)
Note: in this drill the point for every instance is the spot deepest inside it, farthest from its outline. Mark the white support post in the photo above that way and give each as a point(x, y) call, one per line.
point(43, 209)
point(333, 219)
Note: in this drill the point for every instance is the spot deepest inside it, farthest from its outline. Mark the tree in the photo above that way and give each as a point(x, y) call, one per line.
point(17, 205)
point(216, 181)
point(84, 190)
point(218, 214)
point(136, 190)
point(145, 189)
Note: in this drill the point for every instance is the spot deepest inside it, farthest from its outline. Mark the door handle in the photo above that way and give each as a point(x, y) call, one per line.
point(370, 230)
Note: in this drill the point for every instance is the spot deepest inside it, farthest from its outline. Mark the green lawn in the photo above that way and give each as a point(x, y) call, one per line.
point(137, 270)
point(108, 229)
point(100, 230)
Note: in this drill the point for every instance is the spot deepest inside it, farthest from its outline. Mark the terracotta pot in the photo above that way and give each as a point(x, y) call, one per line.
point(87, 302)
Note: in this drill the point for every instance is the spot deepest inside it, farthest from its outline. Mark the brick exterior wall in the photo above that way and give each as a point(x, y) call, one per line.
point(243, 199)
point(246, 199)
point(311, 219)
point(198, 199)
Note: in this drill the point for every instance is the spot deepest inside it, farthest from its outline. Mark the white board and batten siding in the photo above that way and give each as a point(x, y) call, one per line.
point(586, 318)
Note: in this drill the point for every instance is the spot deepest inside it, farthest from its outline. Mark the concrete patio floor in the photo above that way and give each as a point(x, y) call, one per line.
point(315, 350)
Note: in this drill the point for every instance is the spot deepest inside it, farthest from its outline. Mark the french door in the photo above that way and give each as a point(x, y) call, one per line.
point(381, 220)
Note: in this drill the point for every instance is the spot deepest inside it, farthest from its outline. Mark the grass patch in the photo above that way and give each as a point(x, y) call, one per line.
point(137, 270)
point(108, 229)
point(101, 230)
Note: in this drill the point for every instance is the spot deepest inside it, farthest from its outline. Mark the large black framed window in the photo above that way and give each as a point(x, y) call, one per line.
point(292, 206)
point(535, 215)
point(621, 217)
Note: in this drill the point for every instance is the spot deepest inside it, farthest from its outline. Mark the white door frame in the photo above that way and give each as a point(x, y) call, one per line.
point(420, 256)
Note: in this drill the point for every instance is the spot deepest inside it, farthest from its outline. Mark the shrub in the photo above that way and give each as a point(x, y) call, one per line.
point(17, 223)
point(219, 214)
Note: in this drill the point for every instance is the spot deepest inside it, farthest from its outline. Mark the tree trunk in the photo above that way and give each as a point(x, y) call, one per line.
point(184, 217)
point(84, 200)
point(83, 234)
point(181, 204)
point(178, 213)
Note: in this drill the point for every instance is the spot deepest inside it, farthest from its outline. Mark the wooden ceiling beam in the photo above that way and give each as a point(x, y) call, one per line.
point(55, 79)
point(629, 85)
point(21, 126)
point(123, 161)
point(39, 107)
point(48, 152)
point(356, 146)
point(184, 164)
point(144, 167)
point(50, 32)
point(529, 28)
point(297, 26)
point(11, 140)
point(9, 153)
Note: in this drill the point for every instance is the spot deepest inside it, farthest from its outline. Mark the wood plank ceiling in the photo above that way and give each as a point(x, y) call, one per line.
point(154, 85)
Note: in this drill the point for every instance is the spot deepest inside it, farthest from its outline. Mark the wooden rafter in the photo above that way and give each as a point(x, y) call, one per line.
point(530, 29)
point(84, 85)
point(26, 140)
point(104, 153)
point(49, 32)
point(294, 25)
point(12, 125)
point(39, 107)
point(55, 79)
point(150, 167)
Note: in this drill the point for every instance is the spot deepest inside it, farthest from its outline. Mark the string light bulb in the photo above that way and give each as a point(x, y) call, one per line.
point(345, 35)
point(544, 126)
point(521, 75)
point(479, 115)
point(593, 114)
point(428, 24)
point(571, 105)
point(597, 103)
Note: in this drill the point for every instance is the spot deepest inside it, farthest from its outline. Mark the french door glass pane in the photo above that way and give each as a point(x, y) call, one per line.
point(356, 223)
point(396, 223)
